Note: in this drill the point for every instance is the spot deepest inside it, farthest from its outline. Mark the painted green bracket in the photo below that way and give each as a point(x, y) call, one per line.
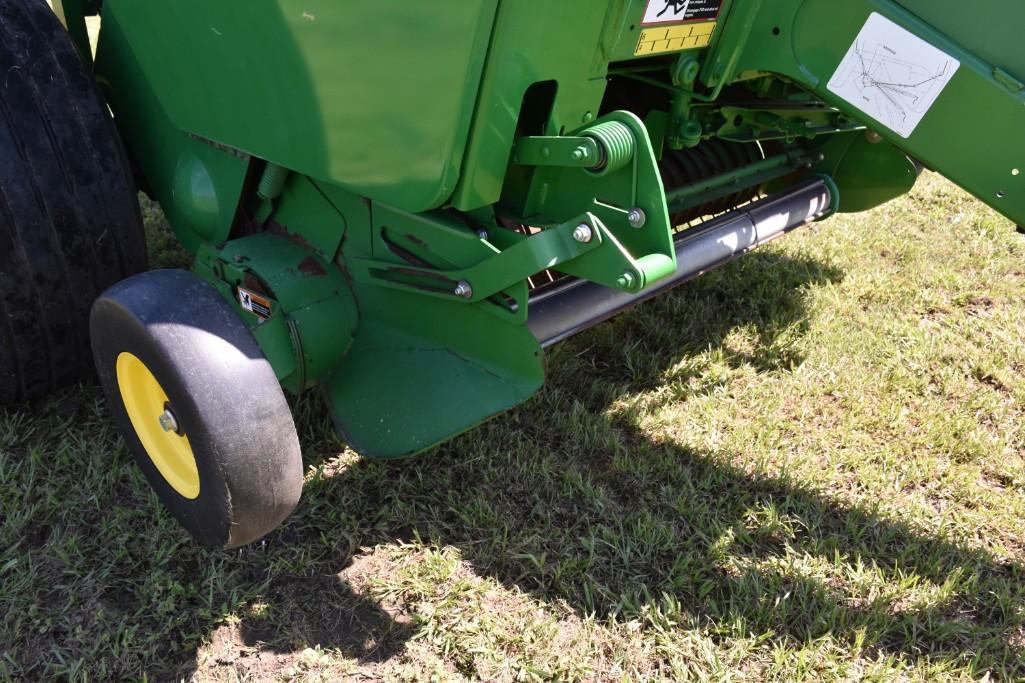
point(527, 256)
point(305, 314)
point(789, 124)
point(867, 170)
point(582, 152)
point(422, 370)
point(615, 267)
point(626, 195)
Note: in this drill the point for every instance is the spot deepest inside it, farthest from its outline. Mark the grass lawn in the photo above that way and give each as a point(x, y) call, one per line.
point(808, 465)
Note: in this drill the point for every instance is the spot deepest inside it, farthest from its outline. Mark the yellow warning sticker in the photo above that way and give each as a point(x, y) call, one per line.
point(654, 41)
point(254, 303)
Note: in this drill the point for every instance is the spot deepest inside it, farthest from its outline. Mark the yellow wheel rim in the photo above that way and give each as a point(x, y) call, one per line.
point(146, 403)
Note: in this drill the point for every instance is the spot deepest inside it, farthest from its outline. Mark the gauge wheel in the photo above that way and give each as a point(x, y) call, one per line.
point(198, 405)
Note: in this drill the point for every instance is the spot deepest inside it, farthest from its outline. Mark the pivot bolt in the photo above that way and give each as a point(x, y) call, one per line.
point(637, 218)
point(583, 233)
point(464, 290)
point(582, 153)
point(168, 422)
point(873, 137)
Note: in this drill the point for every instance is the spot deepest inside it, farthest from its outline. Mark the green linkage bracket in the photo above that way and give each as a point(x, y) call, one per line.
point(611, 226)
point(582, 152)
point(526, 256)
point(624, 191)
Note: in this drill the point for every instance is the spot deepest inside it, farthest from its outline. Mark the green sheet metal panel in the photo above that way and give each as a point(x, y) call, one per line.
point(562, 43)
point(990, 29)
point(973, 132)
point(569, 44)
point(374, 96)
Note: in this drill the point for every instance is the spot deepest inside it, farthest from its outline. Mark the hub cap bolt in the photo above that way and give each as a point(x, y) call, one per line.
point(464, 290)
point(637, 218)
point(583, 233)
point(168, 422)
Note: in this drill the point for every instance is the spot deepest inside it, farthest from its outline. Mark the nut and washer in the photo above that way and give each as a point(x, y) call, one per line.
point(637, 218)
point(464, 290)
point(168, 422)
point(583, 233)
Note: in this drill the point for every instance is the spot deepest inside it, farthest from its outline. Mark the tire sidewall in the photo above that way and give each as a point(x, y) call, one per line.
point(208, 517)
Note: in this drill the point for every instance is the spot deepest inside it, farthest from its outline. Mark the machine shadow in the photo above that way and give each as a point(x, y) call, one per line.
point(371, 503)
point(508, 496)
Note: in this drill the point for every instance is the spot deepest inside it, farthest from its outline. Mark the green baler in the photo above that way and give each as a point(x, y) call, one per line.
point(401, 205)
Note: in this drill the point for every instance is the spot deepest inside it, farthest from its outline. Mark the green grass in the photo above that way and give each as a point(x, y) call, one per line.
point(805, 466)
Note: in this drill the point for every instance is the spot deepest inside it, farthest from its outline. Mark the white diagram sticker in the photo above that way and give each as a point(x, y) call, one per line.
point(892, 75)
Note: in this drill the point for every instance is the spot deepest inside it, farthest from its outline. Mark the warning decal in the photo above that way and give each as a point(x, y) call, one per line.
point(254, 303)
point(657, 40)
point(679, 11)
point(892, 75)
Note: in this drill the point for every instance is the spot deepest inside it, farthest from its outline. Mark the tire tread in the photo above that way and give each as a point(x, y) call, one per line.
point(68, 208)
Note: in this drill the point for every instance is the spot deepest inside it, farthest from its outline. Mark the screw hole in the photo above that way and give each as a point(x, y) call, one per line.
point(632, 27)
point(776, 31)
point(1001, 194)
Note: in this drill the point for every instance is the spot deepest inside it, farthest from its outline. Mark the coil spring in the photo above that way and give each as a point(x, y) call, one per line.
point(273, 182)
point(617, 144)
point(710, 158)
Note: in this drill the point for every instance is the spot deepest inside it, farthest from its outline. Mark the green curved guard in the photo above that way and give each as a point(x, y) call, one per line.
point(339, 91)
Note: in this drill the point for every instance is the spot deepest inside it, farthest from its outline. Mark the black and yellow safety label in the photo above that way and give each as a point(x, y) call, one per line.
point(678, 11)
point(659, 39)
point(258, 305)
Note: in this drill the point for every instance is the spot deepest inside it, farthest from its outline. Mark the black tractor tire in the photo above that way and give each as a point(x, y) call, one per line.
point(69, 216)
point(245, 471)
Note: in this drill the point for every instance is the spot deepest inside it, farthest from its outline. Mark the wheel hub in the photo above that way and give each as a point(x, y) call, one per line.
point(157, 426)
point(168, 422)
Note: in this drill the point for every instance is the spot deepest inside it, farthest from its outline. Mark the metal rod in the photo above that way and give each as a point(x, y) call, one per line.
point(563, 311)
point(731, 181)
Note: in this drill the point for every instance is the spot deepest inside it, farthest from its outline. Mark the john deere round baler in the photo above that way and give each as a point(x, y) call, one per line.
point(400, 205)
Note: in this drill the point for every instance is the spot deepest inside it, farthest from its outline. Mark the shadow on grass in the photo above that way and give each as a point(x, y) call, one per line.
point(589, 510)
point(571, 501)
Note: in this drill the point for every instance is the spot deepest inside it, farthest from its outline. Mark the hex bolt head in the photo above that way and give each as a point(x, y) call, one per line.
point(626, 280)
point(168, 422)
point(873, 137)
point(464, 290)
point(583, 233)
point(582, 153)
point(637, 218)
